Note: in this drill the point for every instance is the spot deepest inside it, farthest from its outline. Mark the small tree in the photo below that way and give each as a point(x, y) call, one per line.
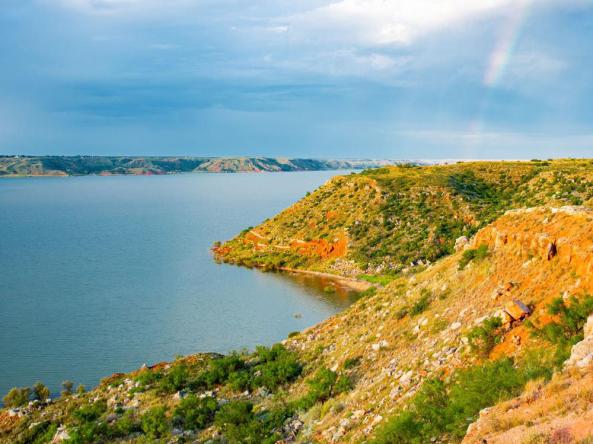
point(67, 388)
point(81, 389)
point(154, 422)
point(17, 396)
point(40, 391)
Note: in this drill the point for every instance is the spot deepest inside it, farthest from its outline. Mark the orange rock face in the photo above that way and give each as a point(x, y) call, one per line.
point(323, 248)
point(535, 233)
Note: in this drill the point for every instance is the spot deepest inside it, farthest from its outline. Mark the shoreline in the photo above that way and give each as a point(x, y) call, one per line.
point(354, 284)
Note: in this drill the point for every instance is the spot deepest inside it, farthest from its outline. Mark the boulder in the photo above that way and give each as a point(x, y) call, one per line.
point(461, 243)
point(581, 354)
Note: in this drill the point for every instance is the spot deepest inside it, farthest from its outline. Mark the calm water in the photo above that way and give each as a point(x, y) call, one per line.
point(103, 274)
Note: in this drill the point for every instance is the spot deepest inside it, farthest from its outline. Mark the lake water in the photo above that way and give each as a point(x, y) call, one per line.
point(102, 274)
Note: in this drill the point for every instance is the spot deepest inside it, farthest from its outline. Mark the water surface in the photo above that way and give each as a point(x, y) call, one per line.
point(103, 274)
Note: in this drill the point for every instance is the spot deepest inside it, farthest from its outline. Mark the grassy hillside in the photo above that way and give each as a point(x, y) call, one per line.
point(384, 220)
point(415, 361)
point(105, 165)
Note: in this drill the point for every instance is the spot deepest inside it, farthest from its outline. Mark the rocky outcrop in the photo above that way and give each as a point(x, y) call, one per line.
point(581, 355)
point(558, 412)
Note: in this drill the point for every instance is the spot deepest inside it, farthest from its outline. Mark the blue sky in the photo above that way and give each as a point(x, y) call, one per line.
point(297, 78)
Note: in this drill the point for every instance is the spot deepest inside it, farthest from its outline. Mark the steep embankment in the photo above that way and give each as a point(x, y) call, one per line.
point(414, 362)
point(383, 221)
point(560, 411)
point(106, 165)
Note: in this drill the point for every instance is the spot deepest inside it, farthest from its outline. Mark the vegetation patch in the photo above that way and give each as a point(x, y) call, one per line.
point(441, 411)
point(473, 254)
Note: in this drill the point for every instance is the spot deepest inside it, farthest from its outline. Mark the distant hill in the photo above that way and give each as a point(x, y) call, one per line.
point(107, 165)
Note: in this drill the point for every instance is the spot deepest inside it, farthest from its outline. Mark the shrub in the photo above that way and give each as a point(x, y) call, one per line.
point(126, 425)
point(90, 412)
point(154, 422)
point(67, 388)
point(176, 379)
point(219, 370)
point(39, 433)
point(469, 255)
point(17, 397)
point(277, 366)
point(421, 304)
point(195, 413)
point(323, 386)
point(147, 377)
point(240, 380)
point(567, 329)
point(81, 389)
point(87, 433)
point(239, 424)
point(351, 362)
point(40, 391)
point(442, 411)
point(484, 337)
point(293, 334)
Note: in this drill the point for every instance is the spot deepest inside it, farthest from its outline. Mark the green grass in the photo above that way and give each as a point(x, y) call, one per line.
point(381, 279)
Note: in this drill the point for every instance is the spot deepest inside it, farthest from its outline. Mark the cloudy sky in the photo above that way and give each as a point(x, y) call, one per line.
point(310, 78)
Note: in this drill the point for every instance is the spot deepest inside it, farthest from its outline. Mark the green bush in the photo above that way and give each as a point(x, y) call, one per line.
point(442, 411)
point(323, 386)
point(484, 337)
point(90, 412)
point(40, 391)
point(195, 413)
point(154, 422)
point(219, 370)
point(473, 254)
point(126, 425)
point(239, 424)
point(277, 367)
point(17, 397)
point(147, 377)
point(40, 433)
point(176, 379)
point(67, 388)
point(567, 329)
point(88, 432)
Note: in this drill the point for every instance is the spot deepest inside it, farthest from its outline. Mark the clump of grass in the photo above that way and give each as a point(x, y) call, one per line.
point(473, 254)
point(421, 304)
point(381, 279)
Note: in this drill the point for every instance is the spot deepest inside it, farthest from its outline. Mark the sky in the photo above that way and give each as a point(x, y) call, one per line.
point(397, 79)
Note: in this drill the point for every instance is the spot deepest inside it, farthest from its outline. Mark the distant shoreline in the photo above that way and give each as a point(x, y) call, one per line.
point(57, 166)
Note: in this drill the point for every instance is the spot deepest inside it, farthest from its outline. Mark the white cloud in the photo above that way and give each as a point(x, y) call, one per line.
point(381, 22)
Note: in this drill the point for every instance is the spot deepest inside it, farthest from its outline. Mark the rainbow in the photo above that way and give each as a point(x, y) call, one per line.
point(498, 61)
point(503, 50)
